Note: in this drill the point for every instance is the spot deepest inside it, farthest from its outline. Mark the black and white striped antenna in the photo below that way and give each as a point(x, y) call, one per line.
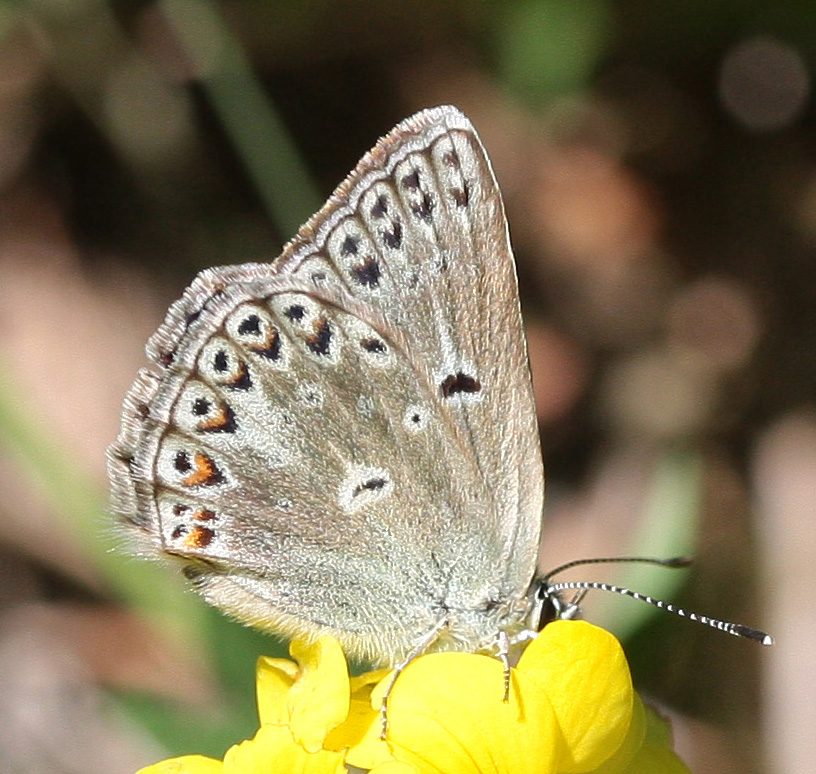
point(551, 606)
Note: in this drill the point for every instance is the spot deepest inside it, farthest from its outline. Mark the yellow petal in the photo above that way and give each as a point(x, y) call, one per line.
point(273, 679)
point(318, 701)
point(365, 682)
point(626, 753)
point(446, 714)
point(584, 672)
point(361, 730)
point(187, 764)
point(274, 750)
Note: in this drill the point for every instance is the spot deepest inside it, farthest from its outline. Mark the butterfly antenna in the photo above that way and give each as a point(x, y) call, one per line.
point(671, 563)
point(738, 630)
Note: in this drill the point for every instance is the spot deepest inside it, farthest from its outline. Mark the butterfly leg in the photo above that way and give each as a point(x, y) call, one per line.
point(398, 669)
point(503, 645)
point(503, 654)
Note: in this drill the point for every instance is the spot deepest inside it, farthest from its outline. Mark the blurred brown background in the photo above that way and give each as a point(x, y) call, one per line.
point(658, 162)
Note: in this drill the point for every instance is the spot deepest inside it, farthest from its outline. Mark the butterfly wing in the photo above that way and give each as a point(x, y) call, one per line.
point(344, 440)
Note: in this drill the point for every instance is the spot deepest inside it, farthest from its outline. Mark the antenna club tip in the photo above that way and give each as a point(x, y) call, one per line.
point(753, 634)
point(679, 561)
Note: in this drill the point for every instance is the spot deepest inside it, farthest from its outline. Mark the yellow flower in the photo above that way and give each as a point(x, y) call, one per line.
point(311, 713)
point(571, 710)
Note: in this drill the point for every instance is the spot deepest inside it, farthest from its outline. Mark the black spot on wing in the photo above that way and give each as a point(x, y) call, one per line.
point(450, 159)
point(393, 238)
point(380, 208)
point(411, 180)
point(250, 325)
point(295, 313)
point(221, 361)
point(350, 245)
point(367, 273)
point(201, 407)
point(372, 485)
point(319, 342)
point(375, 346)
point(459, 383)
point(182, 462)
point(461, 195)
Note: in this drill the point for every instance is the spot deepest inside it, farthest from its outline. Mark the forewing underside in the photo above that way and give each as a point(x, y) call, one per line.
point(418, 231)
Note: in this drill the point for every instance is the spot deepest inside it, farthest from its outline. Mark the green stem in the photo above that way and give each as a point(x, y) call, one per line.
point(237, 97)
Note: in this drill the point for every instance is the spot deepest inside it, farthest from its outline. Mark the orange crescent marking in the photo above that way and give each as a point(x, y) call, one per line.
point(217, 422)
point(242, 372)
point(270, 347)
point(199, 537)
point(205, 472)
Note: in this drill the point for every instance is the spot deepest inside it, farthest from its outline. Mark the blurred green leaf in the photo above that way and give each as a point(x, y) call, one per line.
point(548, 48)
point(668, 528)
point(249, 118)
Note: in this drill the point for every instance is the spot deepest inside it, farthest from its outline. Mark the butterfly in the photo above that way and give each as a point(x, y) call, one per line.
point(344, 441)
